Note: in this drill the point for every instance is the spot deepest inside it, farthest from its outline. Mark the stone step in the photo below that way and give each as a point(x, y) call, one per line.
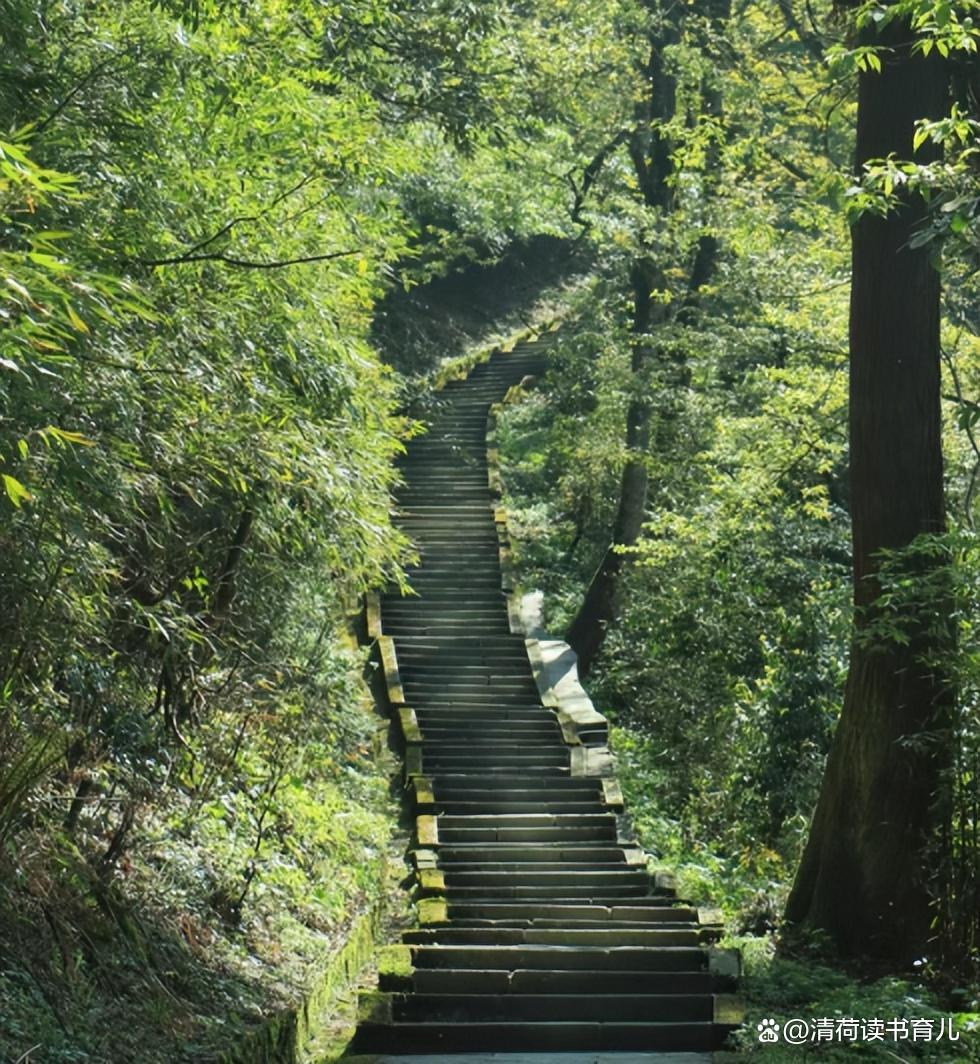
point(477, 703)
point(492, 728)
point(474, 684)
point(492, 647)
point(434, 765)
point(502, 717)
point(547, 981)
point(569, 958)
point(449, 631)
point(631, 914)
point(507, 874)
point(489, 756)
point(604, 820)
point(564, 936)
point(597, 1007)
point(454, 786)
point(531, 854)
point(460, 742)
point(491, 760)
point(489, 728)
point(516, 834)
point(633, 893)
point(469, 808)
point(478, 671)
point(546, 1036)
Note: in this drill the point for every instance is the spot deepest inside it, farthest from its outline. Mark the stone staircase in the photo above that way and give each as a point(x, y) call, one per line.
point(541, 930)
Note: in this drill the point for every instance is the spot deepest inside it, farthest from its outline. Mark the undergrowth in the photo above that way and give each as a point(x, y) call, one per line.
point(217, 916)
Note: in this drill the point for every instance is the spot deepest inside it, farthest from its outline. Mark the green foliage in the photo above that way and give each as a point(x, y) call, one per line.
point(200, 205)
point(781, 988)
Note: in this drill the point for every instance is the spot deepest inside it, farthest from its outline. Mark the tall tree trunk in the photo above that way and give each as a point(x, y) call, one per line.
point(599, 606)
point(861, 879)
point(650, 153)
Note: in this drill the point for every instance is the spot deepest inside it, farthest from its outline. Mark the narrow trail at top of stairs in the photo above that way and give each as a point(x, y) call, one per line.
point(541, 930)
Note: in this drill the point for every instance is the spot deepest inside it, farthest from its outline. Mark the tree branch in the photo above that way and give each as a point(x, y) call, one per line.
point(590, 174)
point(92, 74)
point(246, 264)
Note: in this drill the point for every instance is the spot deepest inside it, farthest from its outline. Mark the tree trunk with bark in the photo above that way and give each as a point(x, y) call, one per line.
point(598, 608)
point(862, 879)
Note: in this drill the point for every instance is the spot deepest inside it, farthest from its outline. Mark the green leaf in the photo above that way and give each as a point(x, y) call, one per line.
point(16, 491)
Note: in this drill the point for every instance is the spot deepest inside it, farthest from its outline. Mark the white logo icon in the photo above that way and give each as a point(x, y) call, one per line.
point(768, 1031)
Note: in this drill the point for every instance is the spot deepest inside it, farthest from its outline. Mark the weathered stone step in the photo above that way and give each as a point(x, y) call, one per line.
point(487, 668)
point(440, 567)
point(434, 628)
point(477, 703)
point(450, 591)
point(632, 914)
point(439, 606)
point(540, 753)
point(454, 786)
point(456, 580)
point(556, 1035)
point(469, 808)
point(475, 490)
point(536, 735)
point(534, 719)
point(435, 764)
point(502, 717)
point(531, 853)
point(513, 936)
point(527, 834)
point(461, 742)
point(466, 643)
point(604, 1007)
point(570, 958)
point(502, 690)
point(603, 820)
point(510, 874)
point(632, 892)
point(547, 981)
point(492, 729)
point(485, 759)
